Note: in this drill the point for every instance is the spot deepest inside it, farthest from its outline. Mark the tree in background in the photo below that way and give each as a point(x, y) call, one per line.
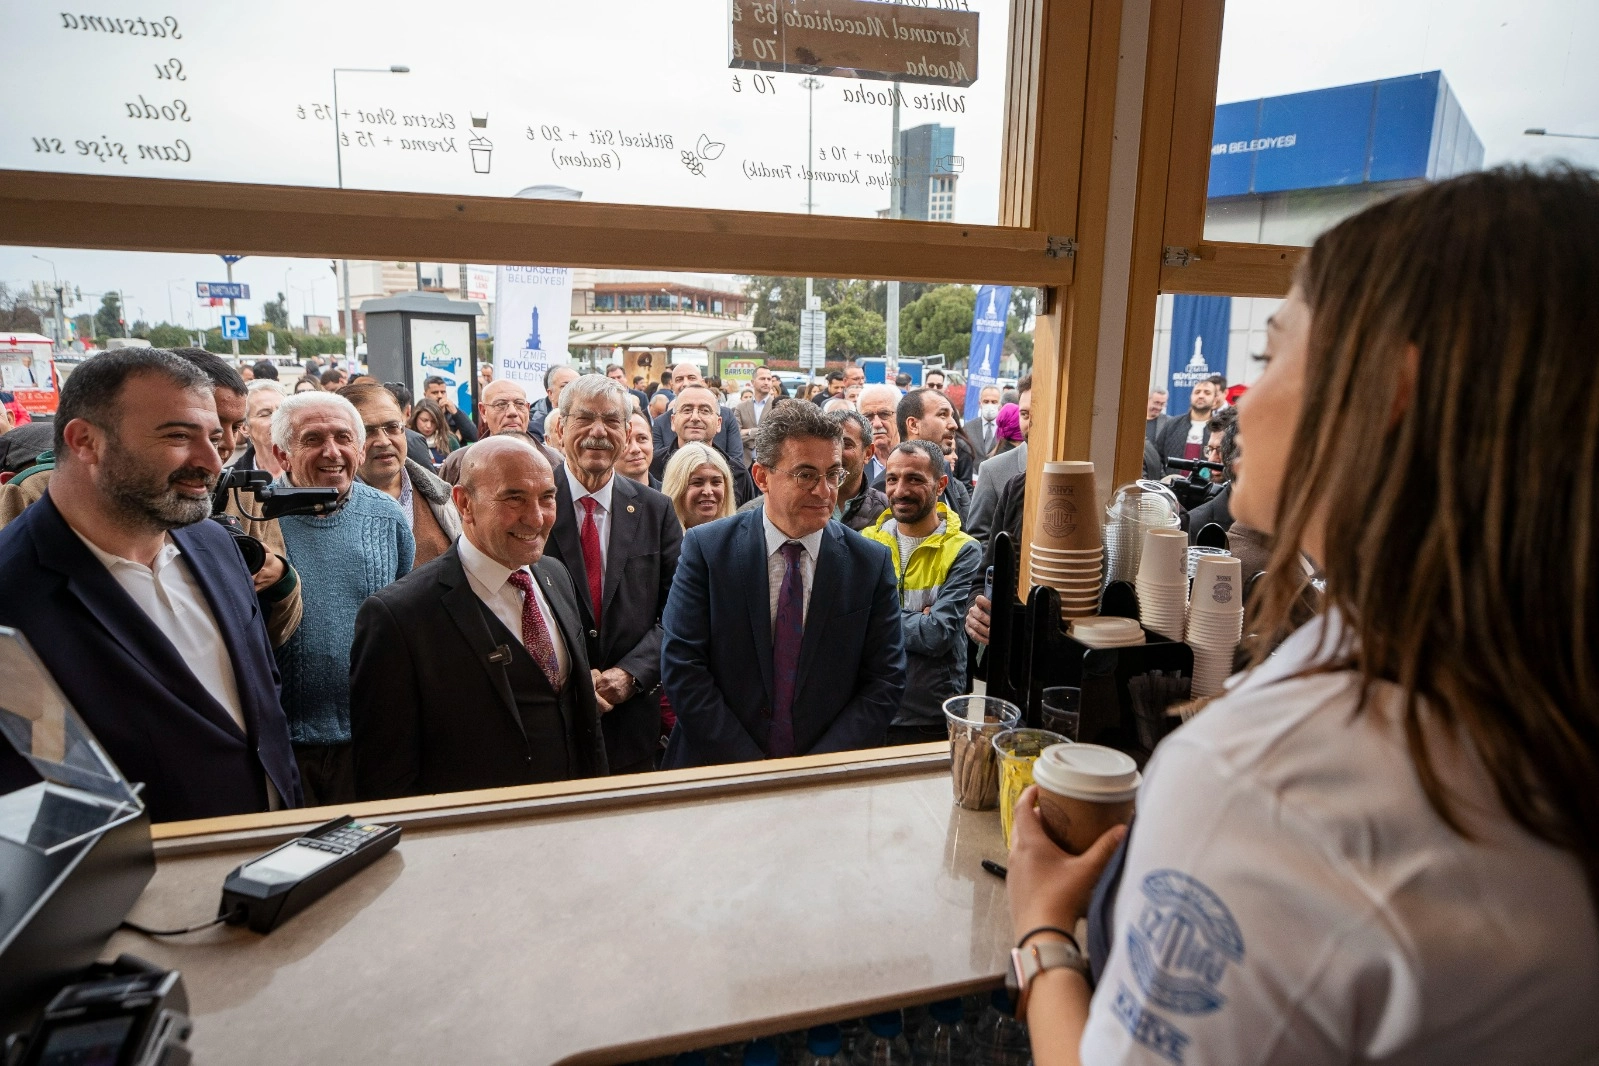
point(854, 330)
point(17, 313)
point(781, 339)
point(167, 335)
point(276, 312)
point(108, 320)
point(939, 323)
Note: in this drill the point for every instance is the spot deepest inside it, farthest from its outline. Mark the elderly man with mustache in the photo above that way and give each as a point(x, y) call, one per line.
point(619, 539)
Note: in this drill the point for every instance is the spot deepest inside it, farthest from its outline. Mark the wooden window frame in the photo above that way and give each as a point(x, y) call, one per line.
point(1040, 150)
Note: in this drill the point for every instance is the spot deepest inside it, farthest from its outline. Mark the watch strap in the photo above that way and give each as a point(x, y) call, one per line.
point(1040, 955)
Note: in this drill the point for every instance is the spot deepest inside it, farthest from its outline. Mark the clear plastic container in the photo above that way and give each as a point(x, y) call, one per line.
point(884, 1043)
point(1135, 509)
point(943, 1039)
point(1000, 1040)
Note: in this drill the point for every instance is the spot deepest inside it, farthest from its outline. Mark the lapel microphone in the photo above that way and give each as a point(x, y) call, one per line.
point(501, 654)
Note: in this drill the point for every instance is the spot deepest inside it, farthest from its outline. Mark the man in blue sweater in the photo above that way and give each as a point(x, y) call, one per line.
point(342, 558)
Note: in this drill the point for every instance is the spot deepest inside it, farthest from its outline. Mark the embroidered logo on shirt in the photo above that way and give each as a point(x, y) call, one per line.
point(1180, 944)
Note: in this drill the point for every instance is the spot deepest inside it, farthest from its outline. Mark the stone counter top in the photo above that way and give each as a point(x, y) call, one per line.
point(603, 933)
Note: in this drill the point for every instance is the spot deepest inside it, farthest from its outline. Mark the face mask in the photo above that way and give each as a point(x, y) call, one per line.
point(990, 410)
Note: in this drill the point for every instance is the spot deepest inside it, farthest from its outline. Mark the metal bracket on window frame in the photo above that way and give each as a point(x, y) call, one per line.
point(1176, 256)
point(1061, 247)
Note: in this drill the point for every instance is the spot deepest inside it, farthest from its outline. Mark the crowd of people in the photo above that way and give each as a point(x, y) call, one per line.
point(559, 588)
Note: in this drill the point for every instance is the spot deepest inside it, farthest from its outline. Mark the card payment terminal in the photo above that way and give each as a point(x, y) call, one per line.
point(267, 891)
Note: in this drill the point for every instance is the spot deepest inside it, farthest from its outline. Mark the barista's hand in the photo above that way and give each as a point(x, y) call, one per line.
point(270, 574)
point(614, 686)
point(1046, 885)
point(977, 620)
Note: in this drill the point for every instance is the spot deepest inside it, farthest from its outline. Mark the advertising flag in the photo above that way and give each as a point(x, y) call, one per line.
point(1199, 326)
point(988, 342)
point(532, 313)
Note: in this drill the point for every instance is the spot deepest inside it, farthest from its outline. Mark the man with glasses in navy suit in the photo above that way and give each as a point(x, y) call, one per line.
point(781, 635)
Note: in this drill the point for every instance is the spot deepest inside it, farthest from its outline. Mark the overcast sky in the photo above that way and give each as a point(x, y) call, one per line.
point(247, 69)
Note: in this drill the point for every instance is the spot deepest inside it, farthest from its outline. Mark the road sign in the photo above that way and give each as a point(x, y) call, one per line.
point(234, 328)
point(813, 340)
point(230, 259)
point(222, 290)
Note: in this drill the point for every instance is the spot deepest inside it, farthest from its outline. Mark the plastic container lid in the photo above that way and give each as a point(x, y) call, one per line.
point(760, 1053)
point(948, 1011)
point(824, 1040)
point(889, 1023)
point(1090, 772)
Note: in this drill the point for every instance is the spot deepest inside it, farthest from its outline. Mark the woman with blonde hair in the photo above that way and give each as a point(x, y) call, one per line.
point(1381, 844)
point(700, 485)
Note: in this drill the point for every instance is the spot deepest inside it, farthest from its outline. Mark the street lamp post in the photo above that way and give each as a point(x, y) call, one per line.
point(810, 85)
point(61, 321)
point(1539, 131)
point(338, 154)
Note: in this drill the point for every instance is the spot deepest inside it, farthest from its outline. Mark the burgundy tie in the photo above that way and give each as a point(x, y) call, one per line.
point(535, 634)
point(591, 558)
point(788, 634)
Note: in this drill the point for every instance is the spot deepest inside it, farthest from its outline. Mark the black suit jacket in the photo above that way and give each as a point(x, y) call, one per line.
point(642, 557)
point(744, 489)
point(145, 707)
point(429, 712)
point(716, 659)
point(728, 438)
point(417, 450)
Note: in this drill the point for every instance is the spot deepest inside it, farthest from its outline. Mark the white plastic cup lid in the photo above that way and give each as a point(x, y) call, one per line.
point(1090, 772)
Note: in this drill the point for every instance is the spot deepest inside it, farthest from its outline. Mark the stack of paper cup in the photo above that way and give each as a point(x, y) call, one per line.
point(1066, 553)
point(1136, 508)
point(1215, 621)
point(1163, 582)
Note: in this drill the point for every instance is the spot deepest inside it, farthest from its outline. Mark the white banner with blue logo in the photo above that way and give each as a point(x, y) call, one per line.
point(531, 320)
point(988, 342)
point(1199, 328)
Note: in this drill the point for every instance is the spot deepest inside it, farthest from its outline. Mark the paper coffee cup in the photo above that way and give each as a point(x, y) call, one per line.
point(1067, 516)
point(1083, 790)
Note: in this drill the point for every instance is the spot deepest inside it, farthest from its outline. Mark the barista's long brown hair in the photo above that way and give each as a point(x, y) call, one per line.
point(1461, 540)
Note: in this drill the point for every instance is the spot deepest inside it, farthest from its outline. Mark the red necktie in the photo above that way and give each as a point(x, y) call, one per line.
point(592, 559)
point(535, 635)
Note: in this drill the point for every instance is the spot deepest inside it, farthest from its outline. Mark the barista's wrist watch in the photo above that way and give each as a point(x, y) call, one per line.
point(1028, 962)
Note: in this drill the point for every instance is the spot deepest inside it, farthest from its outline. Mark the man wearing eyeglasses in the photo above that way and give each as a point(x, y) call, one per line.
point(421, 494)
point(697, 418)
point(781, 635)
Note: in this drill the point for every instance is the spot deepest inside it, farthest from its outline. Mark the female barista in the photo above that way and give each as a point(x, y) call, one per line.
point(1382, 844)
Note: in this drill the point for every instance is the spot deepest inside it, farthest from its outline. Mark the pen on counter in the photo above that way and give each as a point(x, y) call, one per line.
point(995, 868)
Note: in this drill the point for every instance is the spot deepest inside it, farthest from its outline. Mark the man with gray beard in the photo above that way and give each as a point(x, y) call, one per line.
point(141, 610)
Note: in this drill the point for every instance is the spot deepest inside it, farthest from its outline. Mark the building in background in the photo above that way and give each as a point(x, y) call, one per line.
point(676, 317)
point(928, 169)
point(1283, 170)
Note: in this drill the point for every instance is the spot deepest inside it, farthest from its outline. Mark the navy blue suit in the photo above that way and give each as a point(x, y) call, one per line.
point(146, 708)
point(716, 648)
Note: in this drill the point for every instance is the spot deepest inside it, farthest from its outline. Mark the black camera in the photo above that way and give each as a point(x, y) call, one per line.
point(274, 501)
point(1199, 485)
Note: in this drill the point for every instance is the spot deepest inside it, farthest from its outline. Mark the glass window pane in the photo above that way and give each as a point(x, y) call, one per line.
point(773, 105)
point(1323, 108)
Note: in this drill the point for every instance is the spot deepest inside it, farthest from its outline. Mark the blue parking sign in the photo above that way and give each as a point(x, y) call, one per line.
point(234, 328)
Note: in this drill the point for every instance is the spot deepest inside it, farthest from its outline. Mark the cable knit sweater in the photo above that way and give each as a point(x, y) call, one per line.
point(342, 559)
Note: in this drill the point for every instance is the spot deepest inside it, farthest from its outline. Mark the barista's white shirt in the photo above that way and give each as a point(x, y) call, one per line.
point(1291, 897)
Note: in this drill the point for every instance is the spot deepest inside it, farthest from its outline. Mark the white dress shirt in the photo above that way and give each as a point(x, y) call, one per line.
point(602, 512)
point(491, 581)
point(777, 566)
point(175, 604)
point(1290, 896)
